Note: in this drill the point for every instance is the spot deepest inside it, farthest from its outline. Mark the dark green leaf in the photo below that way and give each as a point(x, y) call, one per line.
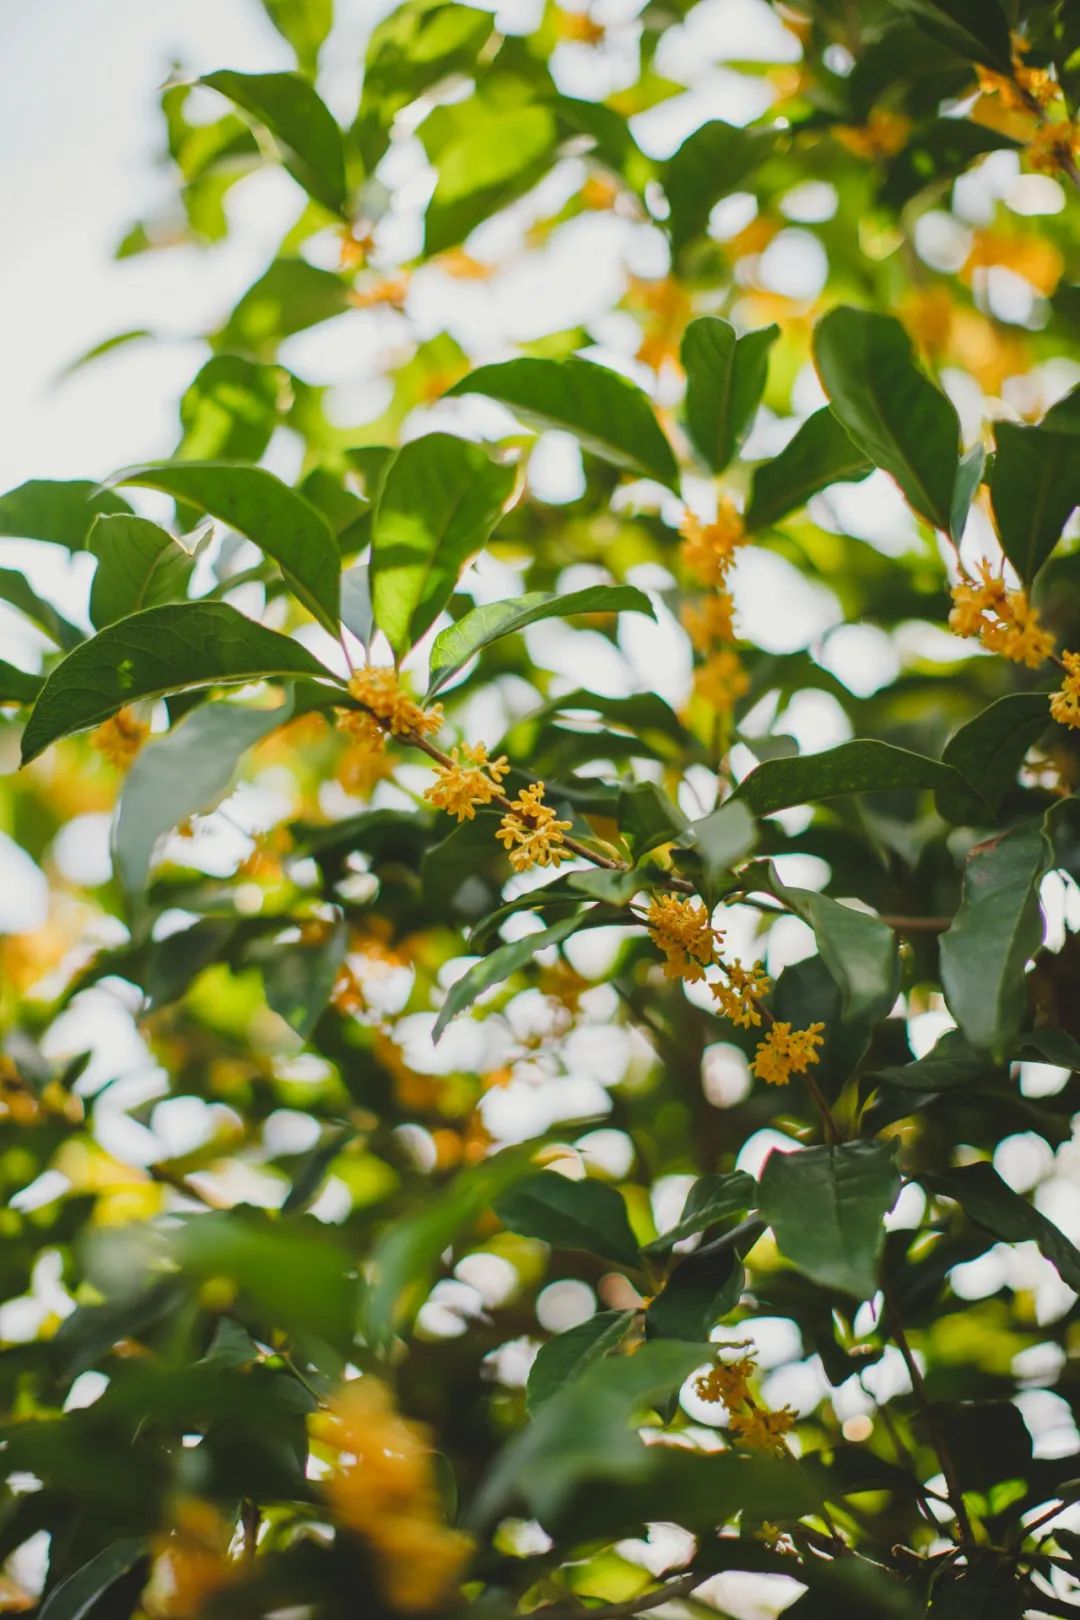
point(568, 1355)
point(996, 930)
point(820, 454)
point(826, 1206)
point(15, 589)
point(608, 415)
point(862, 766)
point(890, 408)
point(258, 505)
point(502, 962)
point(164, 649)
point(313, 1168)
point(937, 152)
point(587, 1215)
point(711, 163)
point(1034, 487)
point(969, 475)
point(989, 750)
point(291, 109)
point(712, 1198)
point(722, 838)
point(356, 609)
point(976, 29)
point(648, 818)
point(992, 1204)
point(75, 1597)
point(16, 686)
point(60, 512)
point(440, 500)
point(725, 379)
point(701, 1291)
point(139, 566)
point(951, 1062)
point(299, 978)
point(859, 951)
point(476, 630)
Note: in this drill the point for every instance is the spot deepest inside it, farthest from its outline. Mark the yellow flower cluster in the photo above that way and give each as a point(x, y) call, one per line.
point(681, 930)
point(1054, 147)
point(721, 680)
point(383, 1488)
point(120, 738)
point(192, 1565)
point(470, 781)
point(530, 833)
point(389, 292)
point(1065, 703)
point(1004, 621)
point(755, 1426)
point(882, 136)
point(709, 549)
point(381, 693)
point(737, 997)
point(728, 1381)
point(786, 1051)
point(709, 621)
point(762, 1430)
point(1023, 91)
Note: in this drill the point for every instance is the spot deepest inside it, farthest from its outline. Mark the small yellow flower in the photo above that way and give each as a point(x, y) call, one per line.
point(192, 1565)
point(682, 931)
point(120, 738)
point(530, 833)
point(461, 787)
point(786, 1051)
point(708, 621)
point(1065, 703)
point(763, 1431)
point(1004, 621)
point(389, 292)
point(1054, 147)
point(737, 996)
point(18, 1104)
point(598, 193)
point(882, 136)
point(727, 1381)
point(722, 681)
point(379, 690)
point(463, 267)
point(1038, 84)
point(928, 315)
point(1035, 258)
point(709, 549)
point(579, 27)
point(355, 244)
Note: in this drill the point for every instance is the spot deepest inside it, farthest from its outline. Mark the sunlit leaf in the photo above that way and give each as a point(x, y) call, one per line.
point(725, 379)
point(291, 109)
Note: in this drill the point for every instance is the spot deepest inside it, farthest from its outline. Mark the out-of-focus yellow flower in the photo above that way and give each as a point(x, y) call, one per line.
point(1035, 258)
point(19, 1104)
point(1026, 89)
point(383, 1489)
point(598, 193)
point(463, 267)
point(355, 244)
point(192, 1564)
point(530, 833)
point(722, 681)
point(928, 315)
point(762, 1430)
point(668, 308)
point(753, 238)
point(1054, 147)
point(389, 292)
point(738, 995)
point(120, 738)
point(882, 136)
point(1065, 703)
point(786, 1051)
point(682, 931)
point(470, 781)
point(380, 691)
point(578, 27)
point(709, 620)
point(709, 549)
point(990, 354)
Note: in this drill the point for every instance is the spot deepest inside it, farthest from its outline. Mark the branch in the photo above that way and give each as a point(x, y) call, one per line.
point(948, 1467)
point(617, 1611)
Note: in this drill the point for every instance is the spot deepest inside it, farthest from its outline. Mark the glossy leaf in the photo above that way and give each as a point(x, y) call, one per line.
point(499, 965)
point(230, 409)
point(162, 650)
point(859, 951)
point(78, 1595)
point(62, 512)
point(701, 1291)
point(988, 752)
point(439, 502)
point(973, 28)
point(16, 590)
point(725, 379)
point(722, 838)
point(139, 565)
point(305, 24)
point(821, 453)
point(299, 977)
point(255, 503)
point(1034, 488)
point(609, 416)
point(891, 409)
point(569, 1214)
point(991, 1203)
point(862, 766)
point(16, 685)
point(826, 1206)
point(454, 647)
point(415, 46)
point(712, 1198)
point(357, 614)
point(569, 1354)
point(494, 160)
point(297, 117)
point(289, 297)
point(710, 164)
point(997, 928)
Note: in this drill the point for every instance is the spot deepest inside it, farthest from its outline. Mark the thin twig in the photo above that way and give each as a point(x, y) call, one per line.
point(616, 1611)
point(937, 1440)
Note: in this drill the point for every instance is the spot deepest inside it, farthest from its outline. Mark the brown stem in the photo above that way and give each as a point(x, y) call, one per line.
point(937, 1440)
point(249, 1529)
point(831, 1130)
point(639, 1605)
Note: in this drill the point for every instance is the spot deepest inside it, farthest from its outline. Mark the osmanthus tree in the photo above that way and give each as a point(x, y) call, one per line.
point(482, 1147)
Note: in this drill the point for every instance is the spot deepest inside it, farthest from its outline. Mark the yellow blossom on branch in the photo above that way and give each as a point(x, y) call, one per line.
point(530, 832)
point(709, 621)
point(1065, 703)
point(578, 27)
point(738, 995)
point(380, 691)
point(120, 738)
point(722, 681)
point(882, 136)
point(389, 292)
point(727, 1381)
point(1004, 621)
point(681, 929)
point(786, 1051)
point(192, 1564)
point(709, 549)
point(471, 781)
point(762, 1430)
point(1054, 147)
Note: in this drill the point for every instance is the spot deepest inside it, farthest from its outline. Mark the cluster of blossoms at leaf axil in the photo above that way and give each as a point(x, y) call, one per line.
point(709, 553)
point(683, 933)
point(120, 738)
point(753, 1425)
point(382, 1487)
point(1005, 622)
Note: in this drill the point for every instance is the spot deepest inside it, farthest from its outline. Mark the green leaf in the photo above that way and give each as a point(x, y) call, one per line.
point(356, 610)
point(16, 590)
point(711, 163)
point(996, 930)
point(499, 965)
point(950, 1062)
point(821, 453)
point(411, 49)
point(299, 978)
point(289, 297)
point(992, 1204)
point(305, 24)
point(497, 157)
point(609, 416)
point(255, 503)
point(139, 566)
point(477, 629)
point(826, 1206)
point(16, 685)
point(862, 766)
point(185, 772)
point(406, 1255)
point(60, 512)
point(587, 1215)
point(706, 1287)
point(569, 1354)
point(314, 1167)
point(890, 408)
point(75, 1597)
point(440, 500)
point(722, 838)
point(977, 29)
point(725, 379)
point(297, 117)
point(969, 475)
point(164, 649)
point(1034, 488)
point(648, 818)
point(712, 1198)
point(936, 152)
point(859, 951)
point(230, 409)
point(988, 751)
